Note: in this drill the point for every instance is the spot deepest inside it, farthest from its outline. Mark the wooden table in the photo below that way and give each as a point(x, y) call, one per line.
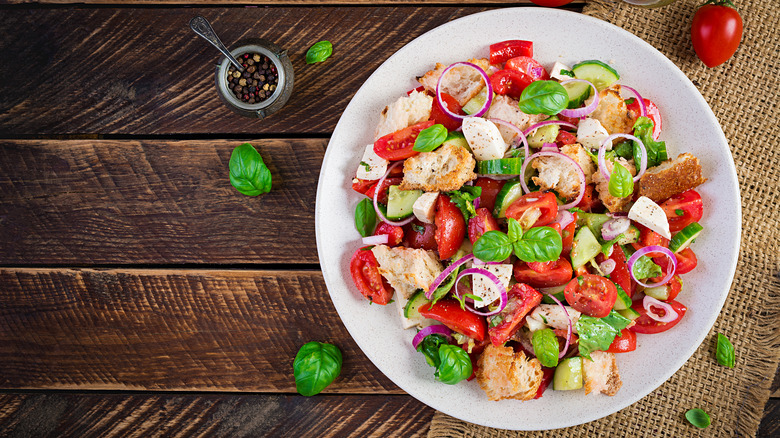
point(139, 292)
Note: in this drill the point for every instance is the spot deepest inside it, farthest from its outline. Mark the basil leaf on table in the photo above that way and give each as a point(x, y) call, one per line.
point(539, 244)
point(543, 97)
point(545, 347)
point(698, 418)
point(365, 217)
point(725, 352)
point(248, 173)
point(493, 246)
point(430, 138)
point(454, 366)
point(429, 347)
point(644, 267)
point(316, 366)
point(319, 52)
point(656, 150)
point(621, 183)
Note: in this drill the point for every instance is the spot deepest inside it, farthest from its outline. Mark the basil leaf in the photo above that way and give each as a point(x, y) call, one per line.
point(543, 97)
point(539, 244)
point(545, 347)
point(315, 367)
point(319, 52)
point(464, 199)
point(616, 320)
point(725, 352)
point(429, 347)
point(493, 246)
point(430, 138)
point(455, 364)
point(621, 183)
point(624, 149)
point(248, 173)
point(698, 418)
point(365, 217)
point(514, 230)
point(644, 267)
point(656, 150)
point(599, 333)
point(446, 285)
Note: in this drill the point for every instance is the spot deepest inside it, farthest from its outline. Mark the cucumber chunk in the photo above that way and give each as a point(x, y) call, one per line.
point(511, 192)
point(400, 202)
point(412, 309)
point(658, 292)
point(682, 239)
point(578, 93)
point(502, 166)
point(584, 247)
point(476, 102)
point(623, 301)
point(594, 221)
point(545, 134)
point(629, 313)
point(596, 72)
point(457, 139)
point(630, 236)
point(568, 374)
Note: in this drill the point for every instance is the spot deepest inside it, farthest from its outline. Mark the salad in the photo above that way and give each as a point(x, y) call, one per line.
point(527, 221)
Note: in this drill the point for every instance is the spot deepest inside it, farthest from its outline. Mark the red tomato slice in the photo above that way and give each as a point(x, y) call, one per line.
point(398, 145)
point(565, 138)
point(419, 235)
point(527, 66)
point(542, 267)
point(395, 233)
point(567, 237)
point(652, 112)
point(683, 209)
point(481, 224)
point(620, 274)
point(559, 274)
point(421, 89)
point(449, 313)
point(439, 116)
point(551, 3)
point(362, 185)
point(590, 201)
point(547, 376)
point(490, 189)
point(382, 198)
point(545, 202)
point(365, 273)
point(591, 294)
point(505, 50)
point(624, 342)
point(648, 237)
point(450, 227)
point(645, 324)
point(522, 298)
point(686, 261)
point(510, 82)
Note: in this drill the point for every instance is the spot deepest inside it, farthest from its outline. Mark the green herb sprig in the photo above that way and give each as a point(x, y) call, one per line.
point(538, 244)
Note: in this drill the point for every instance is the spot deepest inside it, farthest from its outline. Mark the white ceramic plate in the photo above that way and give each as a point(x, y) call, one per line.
point(688, 125)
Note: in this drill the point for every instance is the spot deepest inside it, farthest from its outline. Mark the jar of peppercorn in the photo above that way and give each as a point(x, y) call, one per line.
point(264, 85)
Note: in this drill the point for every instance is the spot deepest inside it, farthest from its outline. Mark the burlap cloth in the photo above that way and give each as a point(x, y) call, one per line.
point(743, 94)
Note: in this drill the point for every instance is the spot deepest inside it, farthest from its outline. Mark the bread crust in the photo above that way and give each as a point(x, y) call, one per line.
point(447, 168)
point(671, 177)
point(504, 374)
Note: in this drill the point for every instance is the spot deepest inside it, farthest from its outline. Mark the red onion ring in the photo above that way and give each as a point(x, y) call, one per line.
point(446, 273)
point(436, 329)
point(642, 107)
point(376, 195)
point(603, 153)
point(517, 130)
point(380, 239)
point(607, 266)
point(614, 227)
point(669, 313)
point(583, 111)
point(580, 173)
point(653, 248)
point(568, 333)
point(485, 78)
point(536, 126)
point(565, 217)
point(490, 276)
point(549, 147)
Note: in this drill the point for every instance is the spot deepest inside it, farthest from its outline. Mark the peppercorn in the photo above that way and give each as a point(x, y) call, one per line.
point(251, 68)
point(242, 82)
point(257, 82)
point(256, 57)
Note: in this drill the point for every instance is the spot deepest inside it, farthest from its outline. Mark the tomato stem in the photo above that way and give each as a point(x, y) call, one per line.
point(727, 3)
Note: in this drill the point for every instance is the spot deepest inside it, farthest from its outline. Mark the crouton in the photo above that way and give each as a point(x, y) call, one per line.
point(612, 203)
point(447, 168)
point(601, 373)
point(558, 174)
point(552, 315)
point(462, 82)
point(504, 374)
point(505, 108)
point(406, 111)
point(407, 269)
point(671, 177)
point(613, 112)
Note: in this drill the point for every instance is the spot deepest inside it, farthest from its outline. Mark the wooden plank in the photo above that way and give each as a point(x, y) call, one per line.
point(273, 2)
point(142, 71)
point(770, 423)
point(84, 202)
point(170, 330)
point(212, 415)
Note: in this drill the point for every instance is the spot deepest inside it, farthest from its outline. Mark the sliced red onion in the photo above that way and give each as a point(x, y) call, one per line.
point(490, 276)
point(642, 107)
point(565, 217)
point(648, 249)
point(617, 214)
point(580, 173)
point(549, 147)
point(376, 240)
point(603, 153)
point(478, 262)
point(583, 111)
point(476, 203)
point(485, 78)
point(568, 333)
point(614, 227)
point(519, 133)
point(669, 313)
point(607, 266)
point(446, 273)
point(536, 126)
point(376, 196)
point(436, 329)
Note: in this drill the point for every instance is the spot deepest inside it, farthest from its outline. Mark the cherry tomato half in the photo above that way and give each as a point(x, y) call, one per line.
point(510, 82)
point(559, 274)
point(449, 313)
point(522, 209)
point(527, 66)
point(683, 209)
point(590, 201)
point(490, 189)
point(481, 224)
point(395, 233)
point(382, 197)
point(398, 145)
point(501, 52)
point(620, 274)
point(450, 227)
point(564, 138)
point(439, 116)
point(591, 294)
point(716, 32)
point(522, 298)
point(547, 377)
point(652, 112)
point(645, 324)
point(551, 3)
point(420, 235)
point(624, 342)
point(365, 274)
point(686, 261)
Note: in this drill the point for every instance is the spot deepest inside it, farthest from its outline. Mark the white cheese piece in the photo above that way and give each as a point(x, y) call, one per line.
point(406, 323)
point(534, 324)
point(553, 315)
point(377, 166)
point(556, 72)
point(651, 215)
point(486, 289)
point(484, 138)
point(424, 207)
point(590, 133)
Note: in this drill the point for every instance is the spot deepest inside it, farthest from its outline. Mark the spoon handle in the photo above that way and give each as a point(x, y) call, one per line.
point(202, 27)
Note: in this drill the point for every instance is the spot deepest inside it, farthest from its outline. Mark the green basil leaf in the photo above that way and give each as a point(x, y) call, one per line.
point(248, 173)
point(595, 334)
point(429, 347)
point(725, 352)
point(644, 267)
point(365, 217)
point(543, 97)
point(514, 230)
point(545, 347)
point(493, 246)
point(621, 183)
point(656, 150)
point(430, 138)
point(455, 364)
point(698, 418)
point(315, 367)
point(319, 52)
point(539, 244)
point(624, 149)
point(446, 285)
point(464, 199)
point(616, 320)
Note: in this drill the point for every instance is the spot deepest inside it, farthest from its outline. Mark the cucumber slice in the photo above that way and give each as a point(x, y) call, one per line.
point(502, 166)
point(594, 221)
point(457, 139)
point(658, 292)
point(568, 374)
point(578, 93)
point(596, 72)
point(681, 240)
point(623, 301)
point(412, 309)
point(400, 202)
point(630, 236)
point(511, 192)
point(584, 247)
point(545, 134)
point(629, 313)
point(476, 102)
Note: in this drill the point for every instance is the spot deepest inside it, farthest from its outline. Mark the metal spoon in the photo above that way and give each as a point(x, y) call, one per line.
point(202, 27)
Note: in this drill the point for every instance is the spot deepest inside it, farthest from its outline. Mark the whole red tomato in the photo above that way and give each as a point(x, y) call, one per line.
point(551, 3)
point(716, 32)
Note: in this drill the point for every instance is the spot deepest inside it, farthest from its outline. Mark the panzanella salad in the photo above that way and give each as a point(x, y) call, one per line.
point(527, 221)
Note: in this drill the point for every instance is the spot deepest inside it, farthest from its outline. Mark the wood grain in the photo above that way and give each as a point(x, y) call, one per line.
point(211, 415)
point(170, 330)
point(93, 202)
